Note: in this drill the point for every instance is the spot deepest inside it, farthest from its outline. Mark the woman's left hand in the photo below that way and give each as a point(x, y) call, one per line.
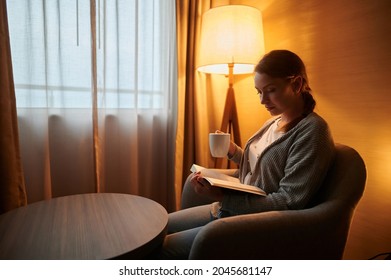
point(202, 187)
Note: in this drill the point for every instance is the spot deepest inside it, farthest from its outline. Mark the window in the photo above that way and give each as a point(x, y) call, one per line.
point(53, 58)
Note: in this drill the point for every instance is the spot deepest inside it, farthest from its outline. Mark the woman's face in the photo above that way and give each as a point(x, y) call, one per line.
point(276, 94)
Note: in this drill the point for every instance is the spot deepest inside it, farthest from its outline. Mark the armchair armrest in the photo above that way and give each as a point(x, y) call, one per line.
point(293, 234)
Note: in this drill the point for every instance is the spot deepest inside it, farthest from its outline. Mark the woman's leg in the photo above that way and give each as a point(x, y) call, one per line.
point(183, 227)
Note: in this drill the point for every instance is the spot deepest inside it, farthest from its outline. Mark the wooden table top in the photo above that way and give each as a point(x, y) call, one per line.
point(85, 226)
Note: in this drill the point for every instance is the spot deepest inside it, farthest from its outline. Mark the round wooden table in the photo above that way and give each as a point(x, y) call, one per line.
point(85, 226)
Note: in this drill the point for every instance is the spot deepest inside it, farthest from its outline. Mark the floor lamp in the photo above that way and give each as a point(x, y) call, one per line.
point(231, 43)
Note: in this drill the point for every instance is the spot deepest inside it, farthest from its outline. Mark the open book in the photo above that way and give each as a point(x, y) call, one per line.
point(221, 180)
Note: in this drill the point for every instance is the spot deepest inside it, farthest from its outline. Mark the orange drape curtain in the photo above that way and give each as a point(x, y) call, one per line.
point(185, 13)
point(12, 187)
point(192, 122)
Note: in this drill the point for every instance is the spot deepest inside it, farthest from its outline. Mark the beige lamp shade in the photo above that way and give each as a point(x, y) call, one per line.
point(231, 34)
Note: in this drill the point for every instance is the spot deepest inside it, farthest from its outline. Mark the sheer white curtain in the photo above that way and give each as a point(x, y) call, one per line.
point(96, 95)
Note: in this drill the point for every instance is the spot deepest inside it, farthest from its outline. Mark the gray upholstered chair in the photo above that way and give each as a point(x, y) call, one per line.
point(318, 232)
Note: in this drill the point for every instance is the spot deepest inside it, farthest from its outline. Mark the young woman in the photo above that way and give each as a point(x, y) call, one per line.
point(288, 157)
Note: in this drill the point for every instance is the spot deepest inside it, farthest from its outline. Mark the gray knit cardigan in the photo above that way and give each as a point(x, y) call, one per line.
point(290, 170)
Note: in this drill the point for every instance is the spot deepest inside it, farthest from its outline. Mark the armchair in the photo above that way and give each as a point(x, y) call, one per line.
point(317, 232)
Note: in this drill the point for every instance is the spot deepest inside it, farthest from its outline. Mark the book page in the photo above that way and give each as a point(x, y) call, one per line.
point(222, 180)
point(235, 186)
point(213, 174)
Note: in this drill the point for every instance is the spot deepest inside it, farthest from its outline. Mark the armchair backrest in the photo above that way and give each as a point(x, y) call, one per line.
point(318, 232)
point(345, 180)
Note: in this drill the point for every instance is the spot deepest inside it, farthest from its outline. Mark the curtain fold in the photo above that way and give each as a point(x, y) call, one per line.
point(12, 185)
point(95, 95)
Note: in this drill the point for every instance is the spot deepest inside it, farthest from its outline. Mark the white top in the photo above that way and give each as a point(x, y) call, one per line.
point(257, 147)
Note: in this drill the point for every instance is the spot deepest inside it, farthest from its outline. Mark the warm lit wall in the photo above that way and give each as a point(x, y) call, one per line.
point(346, 45)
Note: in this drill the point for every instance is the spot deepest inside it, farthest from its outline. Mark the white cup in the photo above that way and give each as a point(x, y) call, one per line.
point(219, 144)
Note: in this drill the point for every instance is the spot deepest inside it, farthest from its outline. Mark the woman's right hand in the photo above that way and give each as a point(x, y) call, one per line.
point(202, 187)
point(232, 146)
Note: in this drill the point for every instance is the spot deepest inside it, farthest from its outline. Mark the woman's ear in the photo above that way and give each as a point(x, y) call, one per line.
point(297, 84)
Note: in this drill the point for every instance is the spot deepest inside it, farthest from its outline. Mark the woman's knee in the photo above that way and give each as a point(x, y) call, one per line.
point(188, 218)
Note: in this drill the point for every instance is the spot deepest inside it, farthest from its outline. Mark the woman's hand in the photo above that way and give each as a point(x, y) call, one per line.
point(202, 187)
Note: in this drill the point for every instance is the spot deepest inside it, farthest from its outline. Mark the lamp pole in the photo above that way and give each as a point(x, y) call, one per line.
point(230, 122)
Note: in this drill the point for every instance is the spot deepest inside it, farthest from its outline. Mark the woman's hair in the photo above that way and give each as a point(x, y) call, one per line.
point(285, 64)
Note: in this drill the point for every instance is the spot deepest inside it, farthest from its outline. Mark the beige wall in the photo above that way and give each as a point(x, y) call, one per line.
point(346, 45)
